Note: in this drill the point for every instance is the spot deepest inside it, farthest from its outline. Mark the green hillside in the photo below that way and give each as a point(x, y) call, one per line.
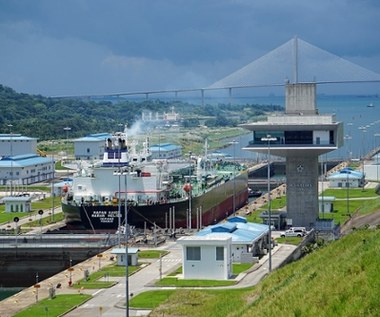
point(340, 279)
point(45, 118)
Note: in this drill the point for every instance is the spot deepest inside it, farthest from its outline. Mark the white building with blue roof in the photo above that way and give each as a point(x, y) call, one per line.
point(249, 240)
point(165, 151)
point(210, 253)
point(25, 169)
point(90, 147)
point(347, 177)
point(16, 144)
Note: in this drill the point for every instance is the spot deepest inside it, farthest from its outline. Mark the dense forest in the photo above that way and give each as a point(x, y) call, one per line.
point(45, 118)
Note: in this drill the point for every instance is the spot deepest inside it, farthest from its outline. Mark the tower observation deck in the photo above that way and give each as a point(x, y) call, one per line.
point(300, 135)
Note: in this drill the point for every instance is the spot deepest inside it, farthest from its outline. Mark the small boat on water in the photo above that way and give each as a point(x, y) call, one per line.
point(371, 105)
point(187, 193)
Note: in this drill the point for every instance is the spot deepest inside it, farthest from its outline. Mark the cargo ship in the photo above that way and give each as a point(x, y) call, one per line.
point(176, 193)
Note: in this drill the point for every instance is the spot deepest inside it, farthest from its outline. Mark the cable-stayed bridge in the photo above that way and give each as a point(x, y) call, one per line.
point(294, 61)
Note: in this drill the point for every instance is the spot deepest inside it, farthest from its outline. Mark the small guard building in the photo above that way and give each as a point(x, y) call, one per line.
point(206, 257)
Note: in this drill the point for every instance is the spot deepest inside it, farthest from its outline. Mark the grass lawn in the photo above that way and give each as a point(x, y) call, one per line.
point(289, 240)
point(100, 279)
point(150, 299)
point(152, 254)
point(352, 192)
point(192, 302)
point(54, 307)
point(45, 204)
point(237, 268)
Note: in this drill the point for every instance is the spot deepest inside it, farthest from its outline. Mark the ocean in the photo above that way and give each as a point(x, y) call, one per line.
point(359, 114)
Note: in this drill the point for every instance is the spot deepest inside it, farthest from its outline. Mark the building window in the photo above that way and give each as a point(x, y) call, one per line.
point(193, 253)
point(219, 253)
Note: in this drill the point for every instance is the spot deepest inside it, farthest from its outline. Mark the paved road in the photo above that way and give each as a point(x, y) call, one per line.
point(111, 302)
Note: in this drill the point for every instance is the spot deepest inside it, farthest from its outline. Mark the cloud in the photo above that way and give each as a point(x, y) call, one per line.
point(57, 47)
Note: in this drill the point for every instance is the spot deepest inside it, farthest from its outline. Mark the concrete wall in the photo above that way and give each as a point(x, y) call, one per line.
point(302, 190)
point(300, 98)
point(20, 265)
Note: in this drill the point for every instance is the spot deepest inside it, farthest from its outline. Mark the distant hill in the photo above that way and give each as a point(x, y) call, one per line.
point(46, 118)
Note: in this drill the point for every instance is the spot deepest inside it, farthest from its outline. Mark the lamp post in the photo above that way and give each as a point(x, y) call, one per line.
point(126, 244)
point(118, 174)
point(322, 187)
point(11, 153)
point(40, 212)
point(348, 192)
point(71, 272)
point(190, 192)
point(269, 139)
point(52, 189)
point(37, 286)
point(233, 200)
point(67, 129)
point(124, 173)
point(348, 138)
point(376, 135)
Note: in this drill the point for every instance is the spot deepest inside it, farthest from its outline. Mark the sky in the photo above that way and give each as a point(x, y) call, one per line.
point(90, 47)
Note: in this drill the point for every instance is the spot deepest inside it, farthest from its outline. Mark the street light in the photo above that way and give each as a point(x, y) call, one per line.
point(377, 151)
point(189, 192)
point(67, 129)
point(71, 269)
point(348, 192)
point(126, 244)
point(233, 142)
point(269, 139)
point(52, 189)
point(118, 174)
point(125, 173)
point(348, 138)
point(40, 212)
point(11, 178)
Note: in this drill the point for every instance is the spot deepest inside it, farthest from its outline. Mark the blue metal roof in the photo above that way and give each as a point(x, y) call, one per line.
point(164, 147)
point(95, 137)
point(24, 160)
point(238, 229)
point(14, 137)
point(346, 173)
point(240, 219)
point(224, 227)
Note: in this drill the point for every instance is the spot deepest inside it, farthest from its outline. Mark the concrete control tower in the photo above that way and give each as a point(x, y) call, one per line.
point(300, 135)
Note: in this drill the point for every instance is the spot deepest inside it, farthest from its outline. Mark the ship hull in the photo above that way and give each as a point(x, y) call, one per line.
point(208, 208)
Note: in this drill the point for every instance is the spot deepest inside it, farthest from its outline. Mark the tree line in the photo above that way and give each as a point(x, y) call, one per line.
point(46, 117)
